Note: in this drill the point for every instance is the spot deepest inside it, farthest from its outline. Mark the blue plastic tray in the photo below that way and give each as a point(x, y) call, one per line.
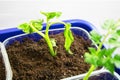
point(4, 34)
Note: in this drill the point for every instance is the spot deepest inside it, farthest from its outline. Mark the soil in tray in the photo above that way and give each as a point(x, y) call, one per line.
point(31, 60)
point(2, 70)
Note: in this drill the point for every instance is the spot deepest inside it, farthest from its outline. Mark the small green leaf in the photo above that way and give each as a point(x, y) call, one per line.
point(37, 24)
point(109, 24)
point(102, 53)
point(53, 41)
point(116, 60)
point(109, 52)
point(92, 59)
point(51, 15)
point(112, 40)
point(117, 57)
point(95, 37)
point(109, 65)
point(68, 37)
point(25, 27)
point(92, 50)
point(118, 32)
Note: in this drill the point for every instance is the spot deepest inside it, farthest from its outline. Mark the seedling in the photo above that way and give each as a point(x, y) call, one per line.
point(104, 57)
point(36, 25)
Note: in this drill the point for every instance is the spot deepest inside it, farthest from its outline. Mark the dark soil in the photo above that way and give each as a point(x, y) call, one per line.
point(2, 70)
point(31, 60)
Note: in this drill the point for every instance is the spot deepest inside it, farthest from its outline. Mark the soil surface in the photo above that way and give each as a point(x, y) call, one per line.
point(2, 70)
point(31, 60)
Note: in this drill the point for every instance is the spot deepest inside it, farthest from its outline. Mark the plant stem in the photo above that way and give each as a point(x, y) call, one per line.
point(101, 43)
point(69, 51)
point(47, 28)
point(58, 22)
point(89, 72)
point(52, 52)
point(47, 39)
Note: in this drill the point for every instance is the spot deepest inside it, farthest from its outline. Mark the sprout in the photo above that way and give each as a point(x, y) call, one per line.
point(36, 26)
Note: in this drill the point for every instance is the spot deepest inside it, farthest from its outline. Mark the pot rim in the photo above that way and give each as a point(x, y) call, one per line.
point(8, 69)
point(74, 27)
point(80, 76)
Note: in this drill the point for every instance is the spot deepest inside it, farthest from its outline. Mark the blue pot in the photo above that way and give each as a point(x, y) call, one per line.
point(4, 34)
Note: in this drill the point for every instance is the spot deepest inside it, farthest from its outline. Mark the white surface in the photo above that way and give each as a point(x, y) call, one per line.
point(14, 12)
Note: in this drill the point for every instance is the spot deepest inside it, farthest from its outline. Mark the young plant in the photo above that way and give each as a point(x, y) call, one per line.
point(104, 56)
point(36, 25)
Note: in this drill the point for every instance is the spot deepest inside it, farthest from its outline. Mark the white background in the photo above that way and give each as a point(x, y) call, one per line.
point(14, 12)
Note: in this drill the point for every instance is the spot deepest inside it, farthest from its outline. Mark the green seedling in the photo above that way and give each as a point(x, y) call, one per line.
point(103, 57)
point(36, 26)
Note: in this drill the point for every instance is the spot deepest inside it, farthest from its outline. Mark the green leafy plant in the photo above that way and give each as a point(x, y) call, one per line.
point(104, 56)
point(36, 26)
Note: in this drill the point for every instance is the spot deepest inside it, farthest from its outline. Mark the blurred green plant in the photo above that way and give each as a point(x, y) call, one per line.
point(103, 57)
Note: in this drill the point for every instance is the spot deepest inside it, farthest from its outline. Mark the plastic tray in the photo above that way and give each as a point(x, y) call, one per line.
point(4, 34)
point(76, 30)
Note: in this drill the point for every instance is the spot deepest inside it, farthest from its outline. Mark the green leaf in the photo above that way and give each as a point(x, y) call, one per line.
point(118, 32)
point(51, 15)
point(101, 54)
point(109, 65)
point(106, 52)
point(68, 37)
point(112, 40)
point(95, 37)
point(25, 27)
point(117, 57)
point(109, 52)
point(109, 24)
point(37, 24)
point(92, 59)
point(92, 50)
point(53, 42)
point(116, 60)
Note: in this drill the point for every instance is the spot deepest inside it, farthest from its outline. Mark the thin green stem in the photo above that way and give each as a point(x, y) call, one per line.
point(101, 43)
point(47, 28)
point(57, 22)
point(47, 39)
point(70, 52)
point(92, 68)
